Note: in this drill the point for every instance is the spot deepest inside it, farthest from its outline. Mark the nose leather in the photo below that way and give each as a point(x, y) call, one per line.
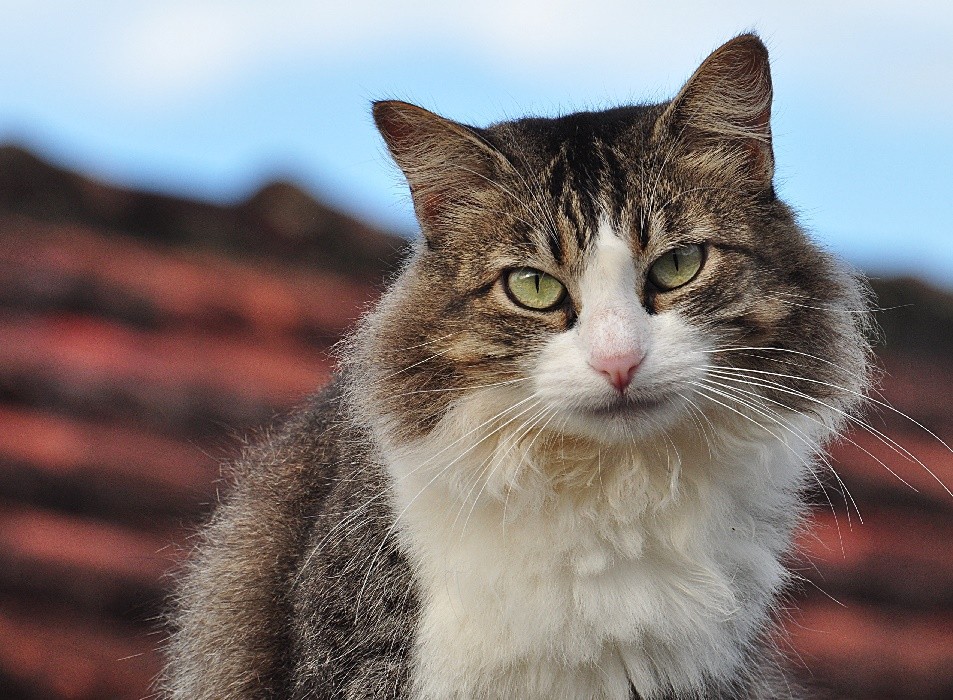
point(618, 369)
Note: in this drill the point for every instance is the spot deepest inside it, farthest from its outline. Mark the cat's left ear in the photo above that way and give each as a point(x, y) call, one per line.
point(723, 113)
point(449, 167)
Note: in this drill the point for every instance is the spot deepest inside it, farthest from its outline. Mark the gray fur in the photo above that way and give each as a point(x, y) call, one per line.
point(258, 617)
point(298, 587)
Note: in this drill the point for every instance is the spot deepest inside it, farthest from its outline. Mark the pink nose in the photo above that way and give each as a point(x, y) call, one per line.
point(618, 369)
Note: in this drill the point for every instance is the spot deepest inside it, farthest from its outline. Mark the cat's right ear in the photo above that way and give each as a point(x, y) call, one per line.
point(449, 167)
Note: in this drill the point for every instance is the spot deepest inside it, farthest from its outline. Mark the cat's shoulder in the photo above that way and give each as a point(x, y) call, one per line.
point(318, 437)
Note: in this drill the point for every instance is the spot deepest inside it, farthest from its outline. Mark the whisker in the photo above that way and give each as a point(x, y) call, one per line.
point(799, 353)
point(344, 523)
point(488, 462)
point(440, 473)
point(748, 352)
point(885, 438)
point(681, 193)
point(415, 364)
point(505, 190)
point(474, 387)
point(870, 309)
point(661, 168)
point(425, 343)
point(696, 413)
point(524, 430)
point(896, 447)
point(703, 392)
point(537, 193)
point(845, 492)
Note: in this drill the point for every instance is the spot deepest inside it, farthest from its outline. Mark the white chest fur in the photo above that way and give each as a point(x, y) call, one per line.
point(579, 572)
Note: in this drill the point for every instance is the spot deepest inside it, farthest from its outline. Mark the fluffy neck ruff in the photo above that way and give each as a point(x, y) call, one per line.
point(551, 567)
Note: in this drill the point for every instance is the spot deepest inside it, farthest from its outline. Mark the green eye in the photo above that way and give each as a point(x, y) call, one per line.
point(676, 267)
point(534, 289)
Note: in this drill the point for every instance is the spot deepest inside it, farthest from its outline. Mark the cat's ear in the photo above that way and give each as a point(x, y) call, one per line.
point(723, 113)
point(448, 166)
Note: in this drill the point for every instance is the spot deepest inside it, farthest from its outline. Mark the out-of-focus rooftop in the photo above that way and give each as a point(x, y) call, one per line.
point(142, 335)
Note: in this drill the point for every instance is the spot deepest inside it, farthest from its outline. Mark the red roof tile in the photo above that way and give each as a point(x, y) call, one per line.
point(56, 653)
point(127, 365)
point(865, 652)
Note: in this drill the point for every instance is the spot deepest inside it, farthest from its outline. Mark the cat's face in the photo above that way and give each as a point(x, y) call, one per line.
point(608, 272)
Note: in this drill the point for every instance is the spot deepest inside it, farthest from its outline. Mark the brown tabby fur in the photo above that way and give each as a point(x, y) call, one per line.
point(268, 608)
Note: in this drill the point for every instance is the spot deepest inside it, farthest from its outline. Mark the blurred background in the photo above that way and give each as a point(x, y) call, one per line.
point(194, 206)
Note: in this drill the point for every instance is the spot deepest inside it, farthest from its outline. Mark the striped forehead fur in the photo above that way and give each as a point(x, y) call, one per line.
point(550, 184)
point(584, 163)
point(509, 494)
point(484, 408)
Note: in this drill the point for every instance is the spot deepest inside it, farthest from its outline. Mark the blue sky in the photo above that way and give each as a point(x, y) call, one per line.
point(212, 98)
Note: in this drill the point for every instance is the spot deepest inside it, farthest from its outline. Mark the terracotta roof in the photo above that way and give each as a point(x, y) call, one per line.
point(130, 364)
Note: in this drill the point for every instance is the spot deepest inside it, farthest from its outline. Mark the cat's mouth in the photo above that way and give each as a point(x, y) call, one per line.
point(624, 406)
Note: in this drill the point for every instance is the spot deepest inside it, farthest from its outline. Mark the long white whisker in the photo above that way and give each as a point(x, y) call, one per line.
point(474, 387)
point(799, 353)
point(345, 522)
point(436, 476)
point(782, 294)
point(900, 449)
point(488, 463)
point(887, 440)
point(523, 430)
point(415, 364)
point(695, 412)
point(845, 491)
point(704, 392)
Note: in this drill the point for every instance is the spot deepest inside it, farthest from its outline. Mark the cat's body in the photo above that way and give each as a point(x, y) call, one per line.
point(566, 454)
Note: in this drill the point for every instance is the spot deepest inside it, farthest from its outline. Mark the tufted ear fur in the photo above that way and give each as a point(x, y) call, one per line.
point(450, 168)
point(723, 113)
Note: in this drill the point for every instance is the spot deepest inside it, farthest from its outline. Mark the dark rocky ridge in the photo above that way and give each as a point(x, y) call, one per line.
point(141, 334)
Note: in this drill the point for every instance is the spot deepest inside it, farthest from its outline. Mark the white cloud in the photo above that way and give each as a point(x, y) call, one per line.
point(186, 47)
point(165, 54)
point(109, 74)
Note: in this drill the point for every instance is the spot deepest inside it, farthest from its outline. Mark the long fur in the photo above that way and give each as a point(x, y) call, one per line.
point(472, 510)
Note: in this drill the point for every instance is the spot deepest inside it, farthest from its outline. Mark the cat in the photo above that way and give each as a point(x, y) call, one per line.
point(566, 453)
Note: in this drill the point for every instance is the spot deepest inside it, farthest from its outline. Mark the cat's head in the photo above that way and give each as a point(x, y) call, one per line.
point(617, 272)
